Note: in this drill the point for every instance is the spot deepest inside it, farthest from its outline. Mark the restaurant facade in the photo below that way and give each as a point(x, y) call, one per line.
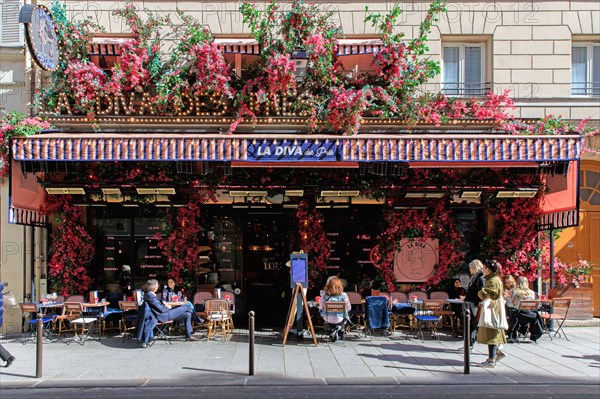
point(197, 188)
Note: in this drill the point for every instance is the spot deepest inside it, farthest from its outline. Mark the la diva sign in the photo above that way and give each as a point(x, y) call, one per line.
point(415, 260)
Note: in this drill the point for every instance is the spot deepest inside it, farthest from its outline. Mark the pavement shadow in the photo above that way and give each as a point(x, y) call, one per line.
point(215, 371)
point(421, 361)
point(411, 348)
point(592, 358)
point(17, 375)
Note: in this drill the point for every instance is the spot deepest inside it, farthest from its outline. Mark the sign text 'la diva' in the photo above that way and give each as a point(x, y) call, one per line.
point(293, 151)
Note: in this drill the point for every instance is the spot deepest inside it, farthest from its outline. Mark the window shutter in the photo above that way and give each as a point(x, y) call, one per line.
point(579, 70)
point(451, 70)
point(596, 71)
point(11, 32)
point(473, 76)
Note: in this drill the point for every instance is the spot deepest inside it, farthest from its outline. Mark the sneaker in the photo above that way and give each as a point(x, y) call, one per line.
point(9, 361)
point(500, 355)
point(488, 364)
point(191, 338)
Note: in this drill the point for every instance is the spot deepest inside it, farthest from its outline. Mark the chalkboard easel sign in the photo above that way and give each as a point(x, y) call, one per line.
point(299, 270)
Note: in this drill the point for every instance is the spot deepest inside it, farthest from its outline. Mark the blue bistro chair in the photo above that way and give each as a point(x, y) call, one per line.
point(30, 324)
point(430, 317)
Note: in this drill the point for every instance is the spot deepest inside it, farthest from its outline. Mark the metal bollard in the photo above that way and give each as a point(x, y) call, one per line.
point(251, 341)
point(39, 347)
point(467, 341)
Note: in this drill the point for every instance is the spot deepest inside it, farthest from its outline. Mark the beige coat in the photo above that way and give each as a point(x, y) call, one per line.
point(493, 290)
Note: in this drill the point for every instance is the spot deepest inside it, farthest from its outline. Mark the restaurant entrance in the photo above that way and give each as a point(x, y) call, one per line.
point(268, 240)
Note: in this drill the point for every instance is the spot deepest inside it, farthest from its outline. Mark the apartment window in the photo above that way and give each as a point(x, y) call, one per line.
point(463, 69)
point(585, 69)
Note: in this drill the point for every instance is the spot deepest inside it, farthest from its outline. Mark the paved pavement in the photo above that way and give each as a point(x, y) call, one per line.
point(359, 360)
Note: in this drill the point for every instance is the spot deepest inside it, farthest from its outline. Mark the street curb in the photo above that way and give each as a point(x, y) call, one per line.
point(471, 380)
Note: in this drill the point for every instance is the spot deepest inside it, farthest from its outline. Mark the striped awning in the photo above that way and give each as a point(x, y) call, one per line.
point(215, 147)
point(107, 45)
point(238, 46)
point(345, 46)
point(559, 220)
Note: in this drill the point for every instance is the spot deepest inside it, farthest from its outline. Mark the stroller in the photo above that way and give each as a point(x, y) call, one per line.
point(377, 314)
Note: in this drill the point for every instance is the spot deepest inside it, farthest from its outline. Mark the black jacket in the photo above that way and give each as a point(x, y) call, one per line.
point(475, 285)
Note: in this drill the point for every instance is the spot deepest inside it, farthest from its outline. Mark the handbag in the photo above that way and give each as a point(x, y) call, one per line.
point(8, 300)
point(493, 314)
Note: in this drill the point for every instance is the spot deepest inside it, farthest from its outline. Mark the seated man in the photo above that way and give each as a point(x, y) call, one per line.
point(166, 313)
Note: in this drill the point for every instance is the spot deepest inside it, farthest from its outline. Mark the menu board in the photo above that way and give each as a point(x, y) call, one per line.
point(224, 237)
point(150, 262)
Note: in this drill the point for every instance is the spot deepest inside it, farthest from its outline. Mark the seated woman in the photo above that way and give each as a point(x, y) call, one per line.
point(457, 291)
point(509, 284)
point(518, 293)
point(518, 321)
point(334, 292)
point(170, 292)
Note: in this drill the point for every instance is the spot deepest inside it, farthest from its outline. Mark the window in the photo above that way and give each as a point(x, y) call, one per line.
point(463, 69)
point(11, 34)
point(585, 69)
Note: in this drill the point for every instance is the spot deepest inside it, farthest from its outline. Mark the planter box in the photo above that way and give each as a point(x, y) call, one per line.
point(582, 305)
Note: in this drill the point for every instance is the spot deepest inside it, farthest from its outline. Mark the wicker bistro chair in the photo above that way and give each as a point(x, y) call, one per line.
point(560, 310)
point(357, 311)
point(525, 307)
point(75, 298)
point(448, 315)
point(199, 300)
point(218, 318)
point(230, 298)
point(83, 323)
point(128, 322)
point(421, 295)
point(333, 331)
point(406, 316)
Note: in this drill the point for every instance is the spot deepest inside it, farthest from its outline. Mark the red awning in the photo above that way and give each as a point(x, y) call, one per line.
point(26, 198)
point(560, 203)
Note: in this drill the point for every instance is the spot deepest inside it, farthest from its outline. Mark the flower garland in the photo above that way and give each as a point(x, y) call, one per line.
point(514, 242)
point(12, 125)
point(180, 246)
point(420, 224)
point(71, 249)
point(313, 241)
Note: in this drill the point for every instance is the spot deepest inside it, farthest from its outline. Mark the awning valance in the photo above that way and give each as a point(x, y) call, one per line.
point(345, 46)
point(286, 148)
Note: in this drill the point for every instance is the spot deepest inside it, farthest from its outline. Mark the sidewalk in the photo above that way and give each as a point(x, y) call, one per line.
point(360, 360)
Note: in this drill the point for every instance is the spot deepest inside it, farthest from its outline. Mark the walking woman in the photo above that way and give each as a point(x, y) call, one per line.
point(472, 299)
point(492, 337)
point(4, 354)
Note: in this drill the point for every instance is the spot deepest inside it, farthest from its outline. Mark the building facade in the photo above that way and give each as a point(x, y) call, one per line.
point(547, 54)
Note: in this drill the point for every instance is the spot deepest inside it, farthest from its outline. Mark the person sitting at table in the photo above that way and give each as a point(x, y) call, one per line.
point(509, 284)
point(457, 291)
point(520, 292)
point(518, 321)
point(334, 292)
point(171, 293)
point(165, 312)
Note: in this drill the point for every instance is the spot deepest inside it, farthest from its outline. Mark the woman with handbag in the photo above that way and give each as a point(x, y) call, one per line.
point(491, 326)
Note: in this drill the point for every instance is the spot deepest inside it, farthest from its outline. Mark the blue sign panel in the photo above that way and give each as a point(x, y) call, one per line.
point(293, 151)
